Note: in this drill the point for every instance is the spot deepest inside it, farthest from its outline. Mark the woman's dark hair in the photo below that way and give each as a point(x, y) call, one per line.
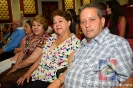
point(63, 14)
point(6, 26)
point(114, 16)
point(29, 22)
point(73, 13)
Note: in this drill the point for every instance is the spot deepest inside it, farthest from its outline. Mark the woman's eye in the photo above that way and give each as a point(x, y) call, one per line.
point(92, 19)
point(60, 21)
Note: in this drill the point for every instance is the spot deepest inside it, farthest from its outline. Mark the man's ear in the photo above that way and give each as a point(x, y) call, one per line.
point(103, 21)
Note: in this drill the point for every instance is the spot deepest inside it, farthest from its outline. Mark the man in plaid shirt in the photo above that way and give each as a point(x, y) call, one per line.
point(104, 60)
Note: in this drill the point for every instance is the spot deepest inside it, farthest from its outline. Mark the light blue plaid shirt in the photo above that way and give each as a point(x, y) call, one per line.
point(104, 62)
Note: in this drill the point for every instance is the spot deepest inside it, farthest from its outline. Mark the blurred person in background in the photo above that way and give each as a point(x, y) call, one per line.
point(29, 54)
point(74, 27)
point(102, 7)
point(18, 34)
point(5, 34)
point(115, 19)
point(4, 65)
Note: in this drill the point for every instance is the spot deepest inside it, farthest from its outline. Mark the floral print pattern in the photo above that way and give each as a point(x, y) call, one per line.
point(55, 59)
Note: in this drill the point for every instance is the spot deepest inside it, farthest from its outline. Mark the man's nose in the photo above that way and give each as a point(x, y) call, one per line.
point(87, 24)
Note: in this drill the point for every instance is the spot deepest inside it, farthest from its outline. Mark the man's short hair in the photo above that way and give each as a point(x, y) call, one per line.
point(99, 12)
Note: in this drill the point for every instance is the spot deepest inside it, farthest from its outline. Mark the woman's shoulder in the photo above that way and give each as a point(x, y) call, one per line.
point(73, 41)
point(52, 37)
point(122, 18)
point(74, 38)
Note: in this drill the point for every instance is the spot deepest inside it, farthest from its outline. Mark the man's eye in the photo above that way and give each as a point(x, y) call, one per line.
point(92, 19)
point(82, 22)
point(53, 22)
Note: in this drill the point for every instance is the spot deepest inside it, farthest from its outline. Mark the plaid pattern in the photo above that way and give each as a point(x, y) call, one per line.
point(84, 70)
point(32, 42)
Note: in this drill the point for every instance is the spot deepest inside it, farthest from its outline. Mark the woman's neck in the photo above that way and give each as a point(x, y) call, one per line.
point(64, 36)
point(29, 34)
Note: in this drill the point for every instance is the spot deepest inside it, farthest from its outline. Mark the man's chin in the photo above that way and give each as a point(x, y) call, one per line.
point(88, 38)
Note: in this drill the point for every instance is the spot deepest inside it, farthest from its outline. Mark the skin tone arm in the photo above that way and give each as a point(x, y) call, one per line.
point(29, 72)
point(19, 59)
point(122, 26)
point(56, 83)
point(16, 50)
point(30, 60)
point(128, 81)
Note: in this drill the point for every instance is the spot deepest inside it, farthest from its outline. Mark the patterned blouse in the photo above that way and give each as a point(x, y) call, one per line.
point(55, 59)
point(32, 43)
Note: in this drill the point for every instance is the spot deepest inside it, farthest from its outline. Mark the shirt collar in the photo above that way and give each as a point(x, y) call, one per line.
point(20, 28)
point(100, 38)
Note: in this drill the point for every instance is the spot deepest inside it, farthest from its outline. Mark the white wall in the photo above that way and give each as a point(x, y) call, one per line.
point(15, 9)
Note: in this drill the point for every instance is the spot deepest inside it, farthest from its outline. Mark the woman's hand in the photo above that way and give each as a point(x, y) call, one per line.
point(55, 84)
point(16, 50)
point(12, 70)
point(20, 81)
point(14, 58)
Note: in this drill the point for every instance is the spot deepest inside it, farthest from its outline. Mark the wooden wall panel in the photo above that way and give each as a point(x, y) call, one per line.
point(5, 11)
point(29, 8)
point(85, 2)
point(68, 4)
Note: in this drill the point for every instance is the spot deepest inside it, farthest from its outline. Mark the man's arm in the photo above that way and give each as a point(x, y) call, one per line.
point(127, 84)
point(124, 65)
point(16, 38)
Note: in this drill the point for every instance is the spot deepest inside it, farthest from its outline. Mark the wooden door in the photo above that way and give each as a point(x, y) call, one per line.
point(47, 9)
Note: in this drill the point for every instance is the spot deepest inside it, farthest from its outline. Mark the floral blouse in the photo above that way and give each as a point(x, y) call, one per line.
point(55, 59)
point(30, 45)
